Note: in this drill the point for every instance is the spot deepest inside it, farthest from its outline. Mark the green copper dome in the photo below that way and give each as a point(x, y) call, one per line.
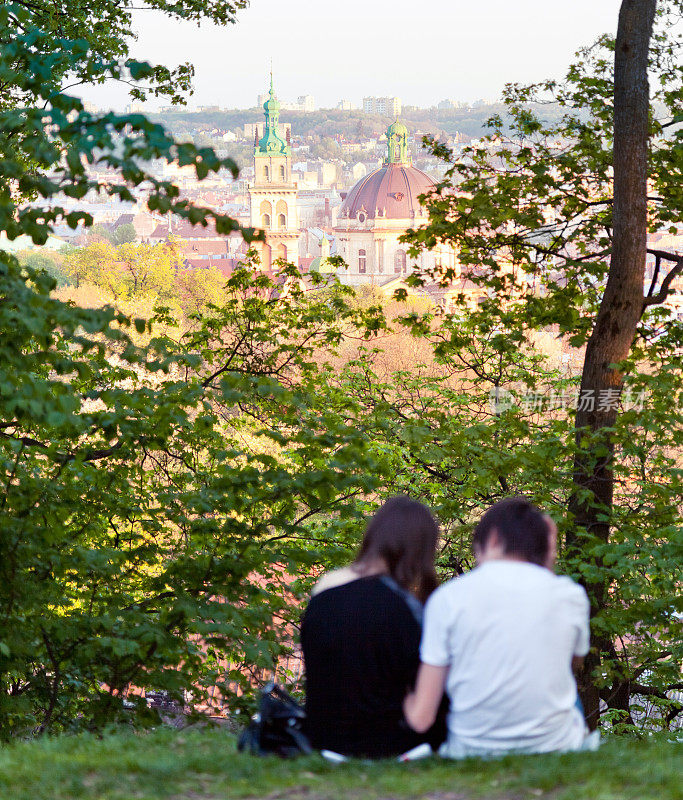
point(272, 103)
point(396, 129)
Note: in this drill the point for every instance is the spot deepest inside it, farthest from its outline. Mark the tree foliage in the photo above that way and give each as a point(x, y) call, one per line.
point(105, 28)
point(144, 531)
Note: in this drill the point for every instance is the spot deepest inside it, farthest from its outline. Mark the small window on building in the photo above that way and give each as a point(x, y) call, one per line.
point(361, 261)
point(400, 262)
point(282, 171)
point(265, 221)
point(282, 221)
point(265, 172)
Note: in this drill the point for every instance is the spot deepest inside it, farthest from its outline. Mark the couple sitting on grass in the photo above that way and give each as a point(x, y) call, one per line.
point(487, 670)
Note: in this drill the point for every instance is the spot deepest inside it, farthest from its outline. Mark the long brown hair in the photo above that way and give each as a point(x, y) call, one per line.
point(404, 534)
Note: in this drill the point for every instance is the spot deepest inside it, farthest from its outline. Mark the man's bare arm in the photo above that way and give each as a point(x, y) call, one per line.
point(420, 707)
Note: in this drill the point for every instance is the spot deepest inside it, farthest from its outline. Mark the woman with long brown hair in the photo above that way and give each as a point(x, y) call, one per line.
point(361, 636)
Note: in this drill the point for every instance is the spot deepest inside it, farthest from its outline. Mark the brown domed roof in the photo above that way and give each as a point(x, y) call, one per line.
point(391, 191)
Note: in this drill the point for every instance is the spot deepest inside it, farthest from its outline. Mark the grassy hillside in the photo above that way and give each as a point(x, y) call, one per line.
point(203, 765)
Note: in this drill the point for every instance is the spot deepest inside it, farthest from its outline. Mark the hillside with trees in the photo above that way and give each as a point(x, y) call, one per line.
point(349, 124)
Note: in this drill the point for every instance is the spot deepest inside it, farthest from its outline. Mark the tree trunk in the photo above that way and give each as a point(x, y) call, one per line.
point(621, 306)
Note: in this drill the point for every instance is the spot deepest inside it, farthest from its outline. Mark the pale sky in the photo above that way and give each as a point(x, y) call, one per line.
point(421, 50)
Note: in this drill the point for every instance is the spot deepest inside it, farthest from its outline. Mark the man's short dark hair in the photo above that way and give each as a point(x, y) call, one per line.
point(522, 529)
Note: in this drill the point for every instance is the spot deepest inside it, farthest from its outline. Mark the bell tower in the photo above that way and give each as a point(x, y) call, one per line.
point(272, 196)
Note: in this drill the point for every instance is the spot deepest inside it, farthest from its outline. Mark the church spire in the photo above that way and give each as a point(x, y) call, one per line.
point(272, 142)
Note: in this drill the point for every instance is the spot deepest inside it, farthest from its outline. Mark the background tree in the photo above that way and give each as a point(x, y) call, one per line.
point(197, 288)
point(100, 233)
point(123, 234)
point(49, 261)
point(148, 268)
point(126, 272)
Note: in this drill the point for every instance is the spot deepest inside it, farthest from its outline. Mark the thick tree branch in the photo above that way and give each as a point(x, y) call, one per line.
point(64, 458)
point(664, 290)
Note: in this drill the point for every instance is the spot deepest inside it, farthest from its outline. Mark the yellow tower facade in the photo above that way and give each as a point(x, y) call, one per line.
point(272, 196)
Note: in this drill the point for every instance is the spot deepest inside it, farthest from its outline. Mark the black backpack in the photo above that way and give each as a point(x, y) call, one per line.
point(277, 727)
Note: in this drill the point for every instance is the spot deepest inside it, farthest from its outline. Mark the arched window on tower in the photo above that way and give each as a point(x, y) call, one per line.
point(282, 172)
point(265, 172)
point(361, 261)
point(266, 212)
point(280, 209)
point(400, 262)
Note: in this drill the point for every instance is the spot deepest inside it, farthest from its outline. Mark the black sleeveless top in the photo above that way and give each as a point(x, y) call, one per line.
point(361, 644)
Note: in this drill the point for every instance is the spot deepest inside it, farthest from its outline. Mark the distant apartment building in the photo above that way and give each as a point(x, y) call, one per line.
point(345, 105)
point(387, 106)
point(306, 102)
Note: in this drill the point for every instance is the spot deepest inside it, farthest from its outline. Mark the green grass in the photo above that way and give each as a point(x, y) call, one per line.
point(203, 765)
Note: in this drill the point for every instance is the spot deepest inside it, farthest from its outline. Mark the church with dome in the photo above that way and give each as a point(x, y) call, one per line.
point(373, 216)
point(377, 212)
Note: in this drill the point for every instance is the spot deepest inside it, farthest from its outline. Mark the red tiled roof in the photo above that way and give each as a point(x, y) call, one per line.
point(160, 232)
point(211, 247)
point(224, 265)
point(124, 219)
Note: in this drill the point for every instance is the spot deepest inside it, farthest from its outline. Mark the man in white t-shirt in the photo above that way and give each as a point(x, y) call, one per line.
point(502, 640)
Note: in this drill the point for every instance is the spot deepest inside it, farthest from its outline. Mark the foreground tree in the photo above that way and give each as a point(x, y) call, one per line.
point(145, 528)
point(552, 221)
point(106, 30)
point(622, 303)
